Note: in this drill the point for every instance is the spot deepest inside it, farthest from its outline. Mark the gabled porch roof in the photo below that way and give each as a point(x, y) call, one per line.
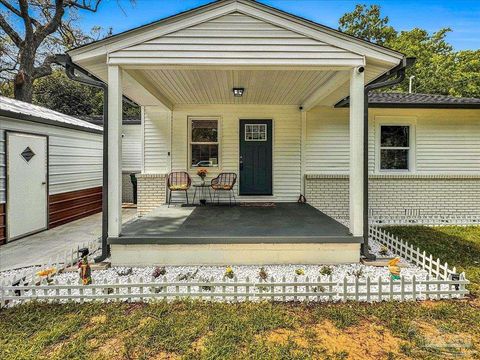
point(198, 56)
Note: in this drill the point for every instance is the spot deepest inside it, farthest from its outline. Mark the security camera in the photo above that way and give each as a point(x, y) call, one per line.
point(360, 69)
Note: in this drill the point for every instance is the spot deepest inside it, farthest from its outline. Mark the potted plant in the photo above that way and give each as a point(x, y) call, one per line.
point(202, 173)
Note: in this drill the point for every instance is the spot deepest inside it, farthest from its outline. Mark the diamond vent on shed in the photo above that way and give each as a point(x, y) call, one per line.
point(27, 154)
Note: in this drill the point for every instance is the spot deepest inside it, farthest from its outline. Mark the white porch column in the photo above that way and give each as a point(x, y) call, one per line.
point(114, 151)
point(356, 151)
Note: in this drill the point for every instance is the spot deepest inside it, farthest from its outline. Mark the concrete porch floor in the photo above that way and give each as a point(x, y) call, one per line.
point(281, 223)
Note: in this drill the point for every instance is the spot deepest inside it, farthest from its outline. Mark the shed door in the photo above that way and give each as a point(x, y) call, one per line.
point(256, 157)
point(26, 184)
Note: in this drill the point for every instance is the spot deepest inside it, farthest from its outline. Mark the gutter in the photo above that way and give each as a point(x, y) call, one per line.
point(88, 79)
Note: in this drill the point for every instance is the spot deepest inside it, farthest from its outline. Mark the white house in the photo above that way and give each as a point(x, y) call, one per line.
point(267, 87)
point(131, 152)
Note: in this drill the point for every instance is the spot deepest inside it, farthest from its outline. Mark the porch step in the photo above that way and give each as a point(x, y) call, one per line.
point(234, 254)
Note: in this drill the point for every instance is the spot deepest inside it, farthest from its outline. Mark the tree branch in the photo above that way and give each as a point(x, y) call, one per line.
point(84, 5)
point(26, 19)
point(44, 69)
point(12, 34)
point(50, 27)
point(16, 11)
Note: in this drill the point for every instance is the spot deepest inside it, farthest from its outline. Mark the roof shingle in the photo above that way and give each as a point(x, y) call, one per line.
point(426, 101)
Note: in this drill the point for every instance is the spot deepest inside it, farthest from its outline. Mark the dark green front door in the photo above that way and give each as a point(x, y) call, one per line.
point(256, 157)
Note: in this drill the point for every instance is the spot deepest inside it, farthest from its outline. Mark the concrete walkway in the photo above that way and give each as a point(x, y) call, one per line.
point(38, 248)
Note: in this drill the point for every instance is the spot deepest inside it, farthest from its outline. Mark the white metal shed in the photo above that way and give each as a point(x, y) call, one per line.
point(50, 169)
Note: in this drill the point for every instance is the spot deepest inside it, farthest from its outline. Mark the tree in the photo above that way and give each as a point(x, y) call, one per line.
point(435, 60)
point(28, 51)
point(368, 24)
point(466, 74)
point(59, 93)
point(438, 69)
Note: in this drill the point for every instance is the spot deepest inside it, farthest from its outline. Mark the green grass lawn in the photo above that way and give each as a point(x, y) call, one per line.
point(457, 245)
point(203, 330)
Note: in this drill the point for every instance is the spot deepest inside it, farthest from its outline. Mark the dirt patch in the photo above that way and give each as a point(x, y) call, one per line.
point(199, 345)
point(98, 320)
point(164, 356)
point(362, 342)
point(283, 336)
point(446, 342)
point(112, 349)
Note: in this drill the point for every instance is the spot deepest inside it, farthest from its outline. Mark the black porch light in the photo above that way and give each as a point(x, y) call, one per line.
point(238, 92)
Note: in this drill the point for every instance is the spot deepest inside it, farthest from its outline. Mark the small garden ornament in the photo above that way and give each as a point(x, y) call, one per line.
point(394, 268)
point(300, 272)
point(229, 272)
point(84, 268)
point(45, 275)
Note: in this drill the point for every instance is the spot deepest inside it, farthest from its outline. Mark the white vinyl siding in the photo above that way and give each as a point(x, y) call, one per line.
point(228, 38)
point(449, 143)
point(446, 141)
point(286, 144)
point(156, 132)
point(131, 148)
point(75, 157)
point(328, 143)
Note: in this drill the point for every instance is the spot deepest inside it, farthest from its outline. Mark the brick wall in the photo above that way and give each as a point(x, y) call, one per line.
point(127, 188)
point(396, 194)
point(151, 190)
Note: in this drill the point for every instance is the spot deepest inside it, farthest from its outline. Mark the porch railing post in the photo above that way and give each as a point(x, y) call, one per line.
point(114, 150)
point(357, 81)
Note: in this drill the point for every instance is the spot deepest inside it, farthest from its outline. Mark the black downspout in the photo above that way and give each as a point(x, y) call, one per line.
point(70, 68)
point(383, 81)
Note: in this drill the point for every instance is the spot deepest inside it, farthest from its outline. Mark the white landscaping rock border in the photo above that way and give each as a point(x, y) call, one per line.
point(340, 274)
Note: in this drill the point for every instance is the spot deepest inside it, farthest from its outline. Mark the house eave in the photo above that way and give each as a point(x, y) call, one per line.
point(103, 47)
point(416, 106)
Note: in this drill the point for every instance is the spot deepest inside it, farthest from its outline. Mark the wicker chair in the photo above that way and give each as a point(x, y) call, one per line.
point(178, 181)
point(224, 182)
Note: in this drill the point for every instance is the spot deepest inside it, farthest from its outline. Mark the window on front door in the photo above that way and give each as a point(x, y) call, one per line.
point(395, 147)
point(204, 143)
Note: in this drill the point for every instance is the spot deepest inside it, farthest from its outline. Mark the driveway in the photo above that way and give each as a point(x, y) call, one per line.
point(39, 248)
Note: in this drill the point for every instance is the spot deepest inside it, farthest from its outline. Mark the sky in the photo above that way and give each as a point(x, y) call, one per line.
point(462, 16)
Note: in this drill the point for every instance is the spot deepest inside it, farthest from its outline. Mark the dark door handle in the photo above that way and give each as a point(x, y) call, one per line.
point(241, 163)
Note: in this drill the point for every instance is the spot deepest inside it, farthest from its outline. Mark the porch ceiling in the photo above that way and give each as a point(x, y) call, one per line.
point(215, 86)
point(262, 86)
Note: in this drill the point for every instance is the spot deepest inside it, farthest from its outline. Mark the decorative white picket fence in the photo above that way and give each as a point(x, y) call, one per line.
point(59, 263)
point(442, 282)
point(429, 220)
point(235, 290)
point(413, 255)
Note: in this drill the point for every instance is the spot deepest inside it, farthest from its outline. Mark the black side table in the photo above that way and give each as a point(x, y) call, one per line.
point(202, 189)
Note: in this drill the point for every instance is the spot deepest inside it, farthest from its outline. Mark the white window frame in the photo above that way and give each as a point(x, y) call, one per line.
point(190, 143)
point(409, 121)
point(264, 128)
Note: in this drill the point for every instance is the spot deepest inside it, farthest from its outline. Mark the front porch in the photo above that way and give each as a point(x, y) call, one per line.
point(230, 86)
point(274, 233)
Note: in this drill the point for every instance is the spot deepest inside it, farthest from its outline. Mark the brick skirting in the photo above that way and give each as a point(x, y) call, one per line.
point(151, 190)
point(398, 194)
